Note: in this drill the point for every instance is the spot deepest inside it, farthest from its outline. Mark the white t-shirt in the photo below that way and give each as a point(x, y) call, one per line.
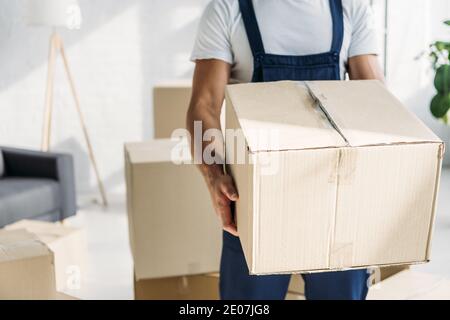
point(288, 27)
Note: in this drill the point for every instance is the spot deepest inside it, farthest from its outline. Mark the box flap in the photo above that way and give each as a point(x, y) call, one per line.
point(161, 150)
point(20, 244)
point(46, 231)
point(368, 114)
point(281, 116)
point(286, 115)
point(171, 84)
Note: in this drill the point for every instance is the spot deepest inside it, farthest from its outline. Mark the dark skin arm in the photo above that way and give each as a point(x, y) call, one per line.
point(365, 67)
point(210, 79)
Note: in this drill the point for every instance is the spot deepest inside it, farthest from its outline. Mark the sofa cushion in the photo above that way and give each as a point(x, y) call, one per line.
point(25, 198)
point(2, 164)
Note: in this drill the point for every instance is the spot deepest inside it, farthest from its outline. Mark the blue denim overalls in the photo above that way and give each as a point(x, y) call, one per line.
point(235, 281)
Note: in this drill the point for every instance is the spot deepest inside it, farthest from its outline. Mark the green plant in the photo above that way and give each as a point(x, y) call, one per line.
point(440, 58)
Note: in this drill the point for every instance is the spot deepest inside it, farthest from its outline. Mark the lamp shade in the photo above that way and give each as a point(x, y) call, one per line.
point(54, 13)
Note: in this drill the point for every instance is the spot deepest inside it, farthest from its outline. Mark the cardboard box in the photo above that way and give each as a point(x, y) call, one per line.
point(69, 248)
point(63, 296)
point(294, 296)
point(26, 267)
point(412, 285)
point(206, 287)
point(297, 285)
point(198, 287)
point(170, 105)
point(387, 272)
point(347, 179)
point(173, 228)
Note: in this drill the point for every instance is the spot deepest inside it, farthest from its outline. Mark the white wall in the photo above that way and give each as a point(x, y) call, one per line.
point(412, 26)
point(124, 47)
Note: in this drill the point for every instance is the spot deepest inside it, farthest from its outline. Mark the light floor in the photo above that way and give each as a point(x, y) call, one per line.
point(109, 272)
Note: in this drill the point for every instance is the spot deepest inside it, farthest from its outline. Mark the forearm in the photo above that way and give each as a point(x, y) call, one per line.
point(221, 187)
point(208, 91)
point(209, 119)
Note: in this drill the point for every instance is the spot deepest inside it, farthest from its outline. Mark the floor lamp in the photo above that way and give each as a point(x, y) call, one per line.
point(56, 14)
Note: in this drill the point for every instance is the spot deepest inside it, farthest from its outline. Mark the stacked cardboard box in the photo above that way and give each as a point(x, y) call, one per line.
point(175, 237)
point(195, 287)
point(26, 267)
point(173, 229)
point(68, 245)
point(169, 204)
point(170, 105)
point(296, 285)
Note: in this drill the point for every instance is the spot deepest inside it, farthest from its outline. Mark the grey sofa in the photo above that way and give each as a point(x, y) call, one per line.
point(35, 185)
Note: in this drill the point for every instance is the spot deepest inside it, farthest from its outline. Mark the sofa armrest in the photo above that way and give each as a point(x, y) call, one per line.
point(50, 165)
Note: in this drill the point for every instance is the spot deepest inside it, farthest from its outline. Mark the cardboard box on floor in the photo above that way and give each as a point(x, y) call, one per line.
point(206, 287)
point(172, 225)
point(26, 267)
point(69, 248)
point(412, 285)
point(170, 104)
point(350, 181)
point(297, 285)
point(196, 287)
point(294, 296)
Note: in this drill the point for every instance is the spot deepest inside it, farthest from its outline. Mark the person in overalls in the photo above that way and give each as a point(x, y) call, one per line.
point(272, 40)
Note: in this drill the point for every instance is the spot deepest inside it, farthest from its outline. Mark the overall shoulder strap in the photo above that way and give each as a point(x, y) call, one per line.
point(338, 25)
point(251, 27)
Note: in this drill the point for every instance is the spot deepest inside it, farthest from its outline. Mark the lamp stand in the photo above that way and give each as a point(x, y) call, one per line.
point(56, 45)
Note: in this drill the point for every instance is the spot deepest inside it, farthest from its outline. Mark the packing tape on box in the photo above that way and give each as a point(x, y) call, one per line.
point(343, 169)
point(334, 170)
point(184, 285)
point(347, 165)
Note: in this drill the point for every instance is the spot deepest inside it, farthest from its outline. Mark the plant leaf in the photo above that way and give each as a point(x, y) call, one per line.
point(441, 45)
point(442, 79)
point(440, 105)
point(447, 22)
point(445, 118)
